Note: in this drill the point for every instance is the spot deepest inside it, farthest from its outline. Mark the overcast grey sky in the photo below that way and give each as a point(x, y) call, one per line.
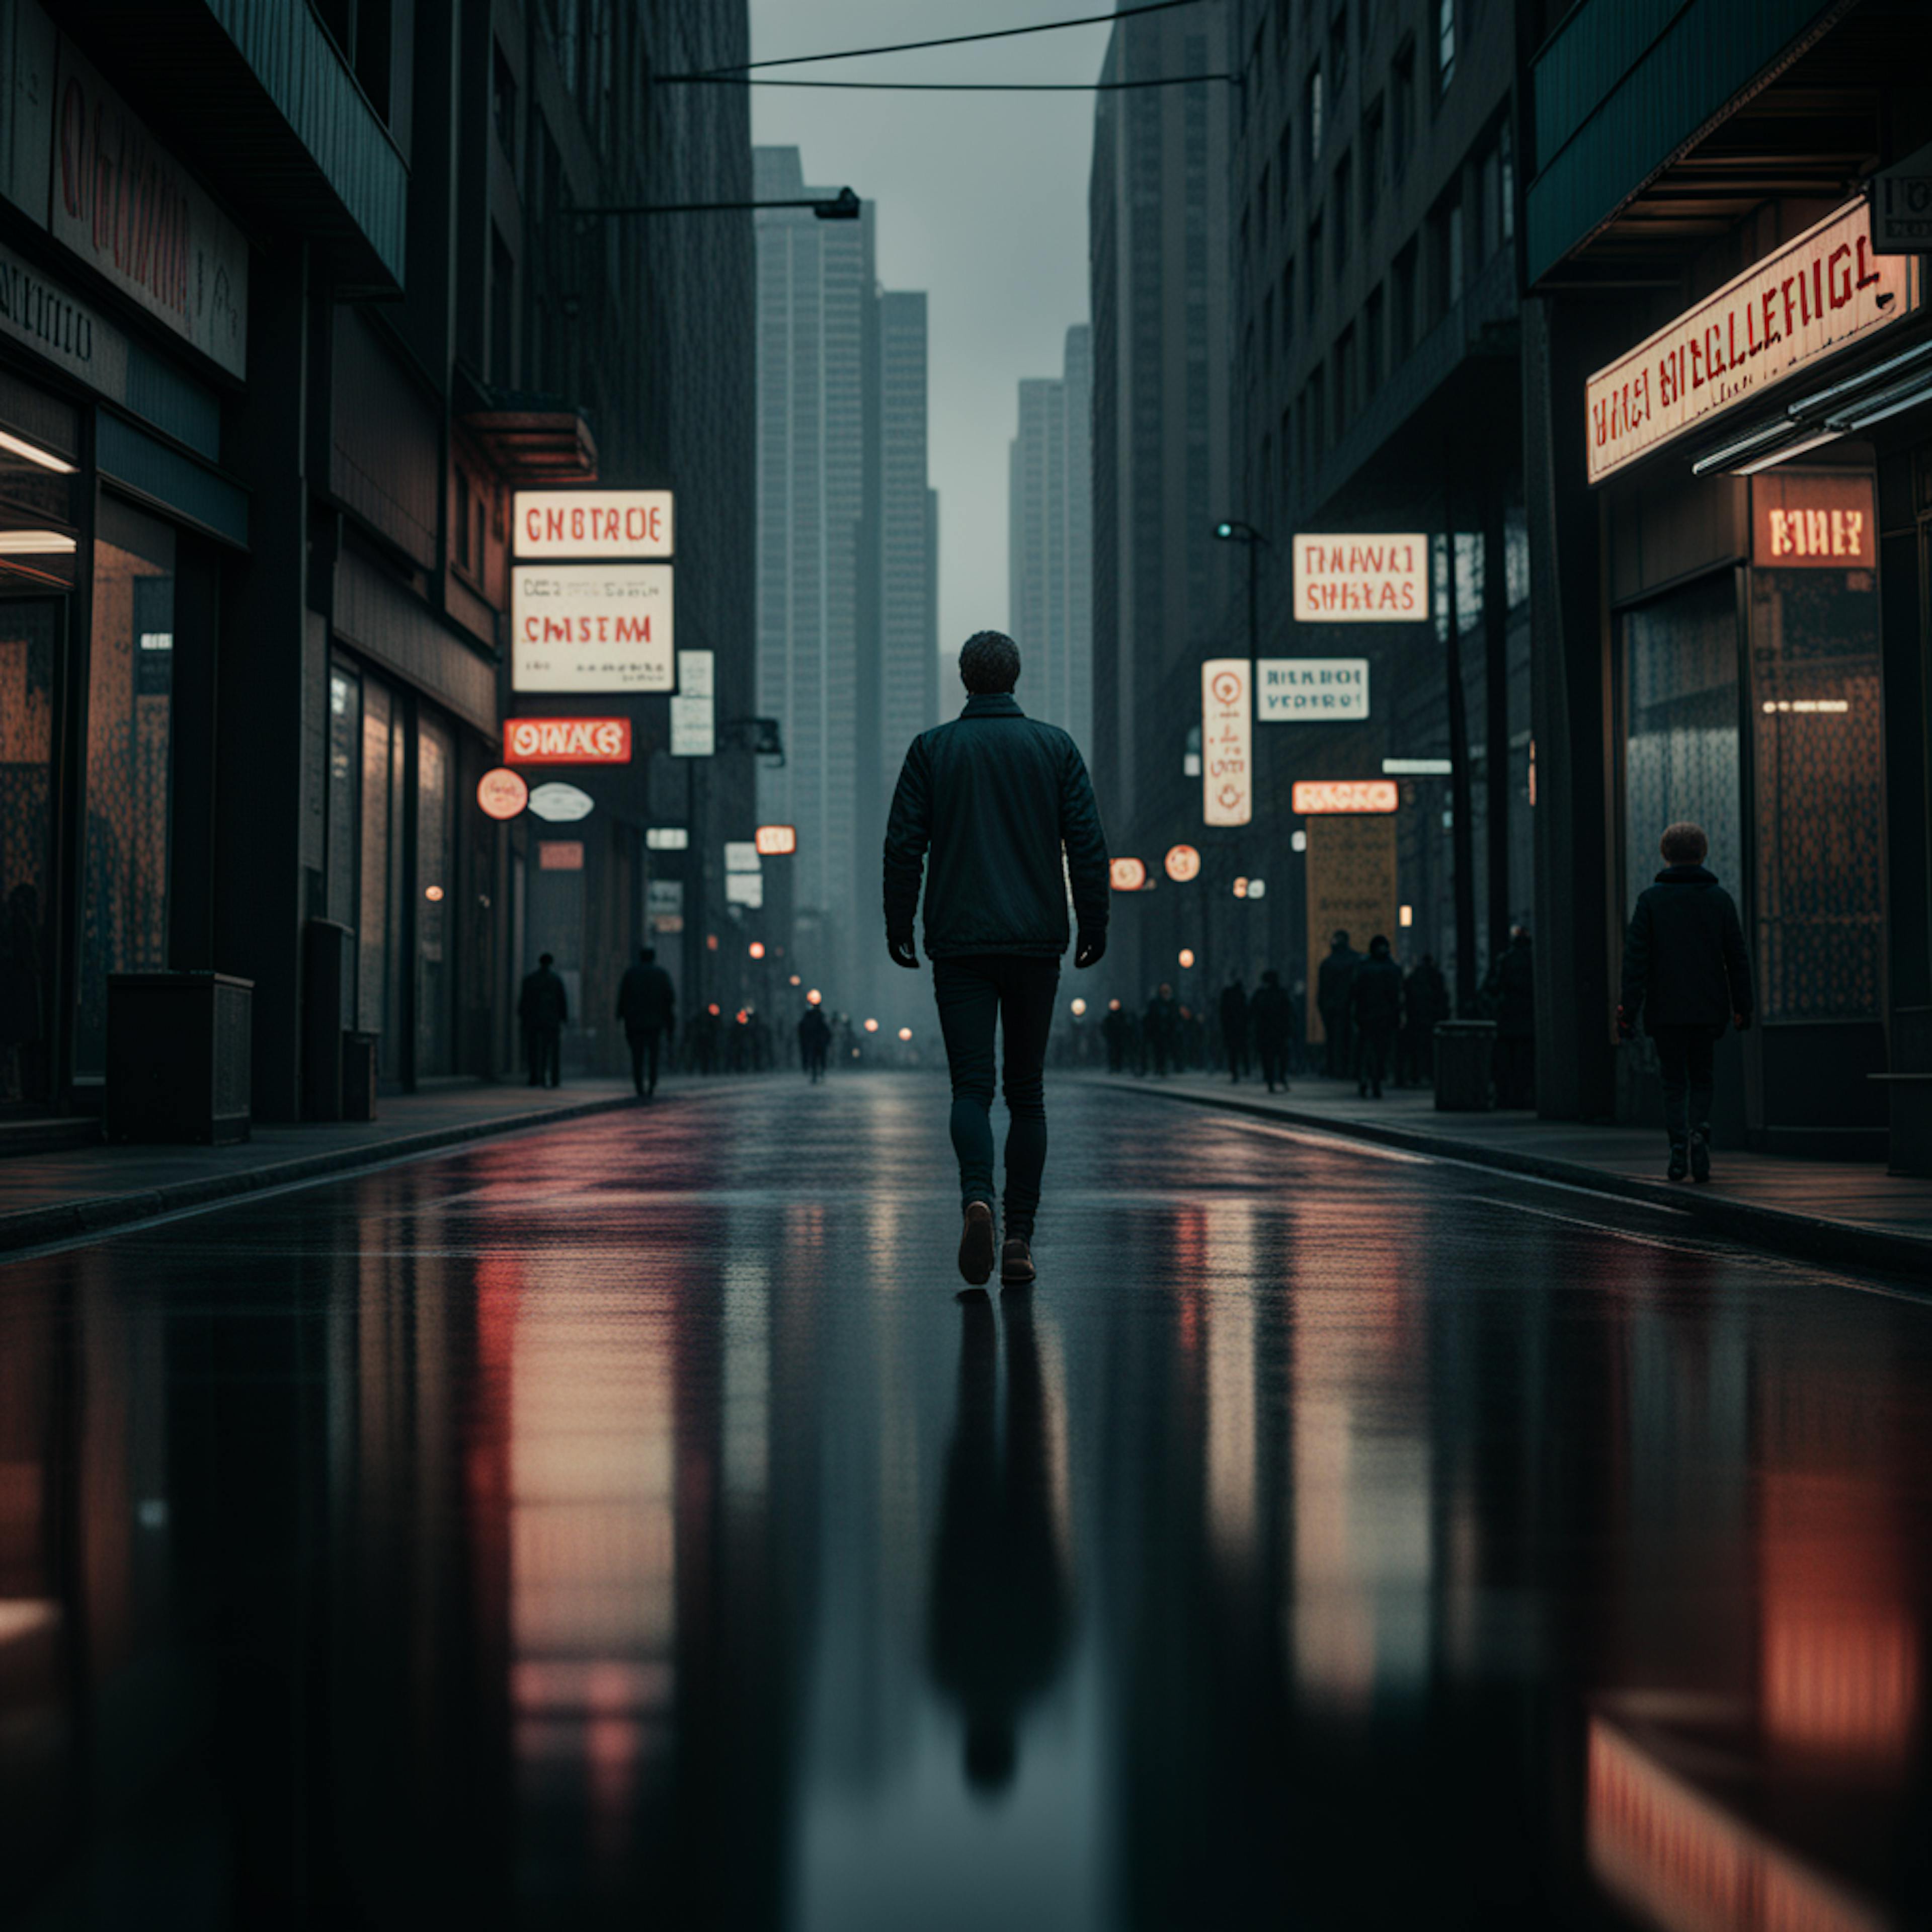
point(982, 203)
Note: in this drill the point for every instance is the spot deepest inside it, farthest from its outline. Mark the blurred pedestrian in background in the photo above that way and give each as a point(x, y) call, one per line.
point(1375, 1015)
point(1425, 1006)
point(1235, 1029)
point(646, 1004)
point(814, 1042)
point(1114, 1029)
point(1160, 1029)
point(1331, 999)
point(1272, 1014)
point(1510, 992)
point(543, 1006)
point(1687, 976)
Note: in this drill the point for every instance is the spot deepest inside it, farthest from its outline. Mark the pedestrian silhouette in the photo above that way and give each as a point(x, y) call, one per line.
point(1425, 1005)
point(814, 1041)
point(1510, 992)
point(1331, 1001)
point(1160, 1029)
point(1000, 1615)
point(1687, 976)
point(647, 1003)
point(1271, 1013)
point(1115, 1030)
point(544, 1008)
point(1235, 1029)
point(1375, 1014)
point(1003, 804)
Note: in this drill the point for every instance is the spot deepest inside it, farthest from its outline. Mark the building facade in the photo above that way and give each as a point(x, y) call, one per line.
point(1729, 525)
point(294, 306)
point(1050, 543)
point(1158, 284)
point(848, 563)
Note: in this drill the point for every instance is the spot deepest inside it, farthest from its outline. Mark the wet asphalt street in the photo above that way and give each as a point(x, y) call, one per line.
point(625, 1525)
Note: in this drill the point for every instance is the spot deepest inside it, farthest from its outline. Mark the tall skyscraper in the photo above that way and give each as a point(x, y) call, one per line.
point(848, 561)
point(1049, 558)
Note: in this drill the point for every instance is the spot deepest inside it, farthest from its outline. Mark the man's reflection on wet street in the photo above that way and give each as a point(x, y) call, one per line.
point(1000, 1592)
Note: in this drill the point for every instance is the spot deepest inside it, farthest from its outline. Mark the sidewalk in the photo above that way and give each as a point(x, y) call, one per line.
point(1843, 1211)
point(56, 1196)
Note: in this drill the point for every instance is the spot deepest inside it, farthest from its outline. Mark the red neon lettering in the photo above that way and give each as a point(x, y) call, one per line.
point(1867, 277)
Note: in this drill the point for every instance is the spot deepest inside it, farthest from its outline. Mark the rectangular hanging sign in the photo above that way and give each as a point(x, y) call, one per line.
point(1313, 691)
point(1319, 797)
point(1361, 580)
point(591, 627)
point(567, 741)
point(612, 524)
point(1227, 742)
point(1795, 309)
point(1812, 522)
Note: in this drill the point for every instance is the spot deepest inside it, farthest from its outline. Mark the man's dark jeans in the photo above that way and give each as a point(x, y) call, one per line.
point(543, 1049)
point(1685, 1056)
point(1017, 992)
point(645, 1046)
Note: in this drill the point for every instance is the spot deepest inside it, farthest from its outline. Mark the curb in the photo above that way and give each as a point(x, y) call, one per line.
point(97, 1213)
point(1808, 1237)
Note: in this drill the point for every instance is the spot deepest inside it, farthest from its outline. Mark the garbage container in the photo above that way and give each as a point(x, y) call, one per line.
point(359, 1076)
point(1465, 1051)
point(177, 1057)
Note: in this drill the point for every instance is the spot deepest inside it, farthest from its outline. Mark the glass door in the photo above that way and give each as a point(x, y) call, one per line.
point(29, 645)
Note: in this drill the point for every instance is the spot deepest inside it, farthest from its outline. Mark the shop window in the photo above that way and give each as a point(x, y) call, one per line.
point(130, 737)
point(345, 789)
point(380, 926)
point(1680, 672)
point(29, 629)
point(436, 882)
point(1817, 793)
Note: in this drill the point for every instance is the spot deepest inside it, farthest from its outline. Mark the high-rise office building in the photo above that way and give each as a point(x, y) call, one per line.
point(1049, 558)
point(847, 561)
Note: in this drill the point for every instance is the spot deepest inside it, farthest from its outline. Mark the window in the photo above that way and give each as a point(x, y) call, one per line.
point(1445, 43)
point(1313, 258)
point(1372, 161)
point(362, 31)
point(1287, 307)
point(1268, 331)
point(1267, 472)
point(1317, 410)
point(1401, 106)
point(1314, 121)
point(1338, 51)
point(1261, 205)
point(1405, 304)
point(503, 102)
point(1284, 26)
point(1287, 441)
point(1345, 398)
point(502, 300)
point(1372, 344)
point(1343, 227)
point(1284, 162)
point(1447, 223)
point(1506, 156)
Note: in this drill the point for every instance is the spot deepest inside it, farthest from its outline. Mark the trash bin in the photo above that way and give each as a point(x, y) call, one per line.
point(179, 1047)
point(359, 1076)
point(1465, 1051)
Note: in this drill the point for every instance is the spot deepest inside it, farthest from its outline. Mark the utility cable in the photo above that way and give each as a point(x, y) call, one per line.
point(952, 86)
point(949, 41)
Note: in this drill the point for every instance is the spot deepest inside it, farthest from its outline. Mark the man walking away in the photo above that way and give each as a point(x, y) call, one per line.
point(1687, 973)
point(646, 1001)
point(1272, 1013)
point(543, 1007)
point(1512, 990)
point(814, 1037)
point(1375, 1015)
point(1235, 1029)
point(1160, 1029)
point(1425, 1002)
point(998, 798)
point(1331, 1001)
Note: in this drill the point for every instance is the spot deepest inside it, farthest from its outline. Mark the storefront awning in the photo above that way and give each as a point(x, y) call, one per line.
point(535, 445)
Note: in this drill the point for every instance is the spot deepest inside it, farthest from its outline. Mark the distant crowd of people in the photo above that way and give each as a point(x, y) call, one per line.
point(1377, 1024)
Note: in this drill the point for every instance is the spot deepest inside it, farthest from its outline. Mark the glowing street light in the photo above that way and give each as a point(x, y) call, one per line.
point(756, 949)
point(1079, 1007)
point(905, 1033)
point(1187, 956)
point(813, 997)
point(796, 981)
point(871, 1026)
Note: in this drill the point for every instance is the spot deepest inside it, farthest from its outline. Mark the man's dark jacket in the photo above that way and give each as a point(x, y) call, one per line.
point(995, 794)
point(1234, 1012)
point(1375, 994)
point(1272, 1013)
point(543, 1004)
point(1333, 982)
point(646, 998)
point(1685, 962)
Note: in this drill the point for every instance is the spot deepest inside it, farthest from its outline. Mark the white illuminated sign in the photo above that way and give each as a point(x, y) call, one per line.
point(693, 713)
point(561, 804)
point(744, 889)
point(667, 838)
point(591, 627)
point(741, 855)
point(1227, 742)
point(1797, 306)
point(1313, 691)
point(608, 523)
point(1361, 580)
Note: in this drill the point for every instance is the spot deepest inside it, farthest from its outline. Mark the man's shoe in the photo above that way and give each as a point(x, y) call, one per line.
point(976, 1243)
point(1680, 1163)
point(1700, 1154)
point(1016, 1268)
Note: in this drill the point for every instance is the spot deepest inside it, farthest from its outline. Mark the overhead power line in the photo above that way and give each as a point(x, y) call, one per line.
point(951, 86)
point(948, 40)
